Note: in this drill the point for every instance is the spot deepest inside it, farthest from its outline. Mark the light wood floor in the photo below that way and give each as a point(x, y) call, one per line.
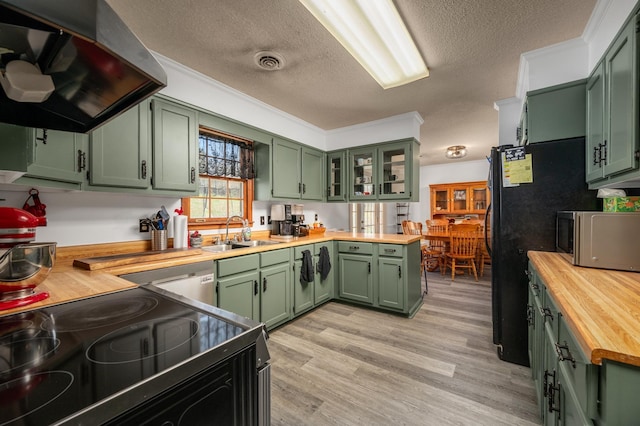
point(345, 365)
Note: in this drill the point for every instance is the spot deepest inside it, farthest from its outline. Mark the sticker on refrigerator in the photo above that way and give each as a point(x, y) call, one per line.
point(516, 167)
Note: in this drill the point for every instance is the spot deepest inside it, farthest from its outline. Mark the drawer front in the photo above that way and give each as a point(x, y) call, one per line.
point(580, 373)
point(355, 247)
point(316, 247)
point(238, 264)
point(274, 257)
point(297, 251)
point(390, 250)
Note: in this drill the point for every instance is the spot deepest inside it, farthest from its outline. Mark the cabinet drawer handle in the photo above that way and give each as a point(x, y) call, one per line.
point(546, 312)
point(304, 188)
point(564, 354)
point(82, 160)
point(389, 250)
point(264, 284)
point(143, 169)
point(255, 287)
point(43, 139)
point(193, 175)
point(399, 271)
point(369, 267)
point(354, 248)
point(530, 317)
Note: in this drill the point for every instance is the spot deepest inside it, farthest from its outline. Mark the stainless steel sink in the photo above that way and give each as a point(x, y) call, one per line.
point(254, 243)
point(218, 248)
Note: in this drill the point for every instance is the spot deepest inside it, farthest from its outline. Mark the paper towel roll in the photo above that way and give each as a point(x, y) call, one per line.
point(180, 232)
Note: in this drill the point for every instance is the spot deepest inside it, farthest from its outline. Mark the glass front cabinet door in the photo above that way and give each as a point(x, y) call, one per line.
point(363, 178)
point(393, 176)
point(337, 189)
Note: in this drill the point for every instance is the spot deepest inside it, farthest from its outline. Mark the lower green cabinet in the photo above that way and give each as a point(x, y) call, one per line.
point(275, 285)
point(238, 288)
point(303, 291)
point(355, 271)
point(239, 293)
point(323, 288)
point(391, 278)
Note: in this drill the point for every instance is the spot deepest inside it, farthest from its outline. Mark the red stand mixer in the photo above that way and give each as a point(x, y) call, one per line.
point(24, 264)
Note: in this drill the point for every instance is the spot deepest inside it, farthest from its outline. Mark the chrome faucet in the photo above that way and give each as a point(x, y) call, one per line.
point(226, 235)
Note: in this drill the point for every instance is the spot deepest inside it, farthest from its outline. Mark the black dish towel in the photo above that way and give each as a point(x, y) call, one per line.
point(306, 271)
point(324, 263)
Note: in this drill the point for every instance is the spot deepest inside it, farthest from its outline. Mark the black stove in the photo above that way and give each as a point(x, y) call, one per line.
point(91, 360)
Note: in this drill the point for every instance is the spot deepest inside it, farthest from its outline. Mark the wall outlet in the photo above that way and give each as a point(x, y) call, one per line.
point(316, 217)
point(144, 226)
point(261, 220)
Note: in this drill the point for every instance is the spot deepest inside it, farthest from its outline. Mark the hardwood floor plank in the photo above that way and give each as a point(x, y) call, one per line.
point(341, 364)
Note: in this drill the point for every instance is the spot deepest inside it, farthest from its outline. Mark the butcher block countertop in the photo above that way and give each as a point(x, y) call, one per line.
point(601, 306)
point(67, 283)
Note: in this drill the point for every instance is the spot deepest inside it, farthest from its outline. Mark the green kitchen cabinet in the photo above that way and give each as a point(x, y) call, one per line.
point(275, 287)
point(297, 171)
point(384, 172)
point(355, 261)
point(554, 113)
point(336, 176)
point(175, 131)
point(391, 279)
point(238, 285)
point(119, 151)
point(522, 132)
point(323, 288)
point(612, 113)
point(303, 291)
point(566, 381)
point(44, 157)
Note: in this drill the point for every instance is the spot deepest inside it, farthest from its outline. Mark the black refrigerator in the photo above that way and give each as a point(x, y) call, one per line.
point(523, 218)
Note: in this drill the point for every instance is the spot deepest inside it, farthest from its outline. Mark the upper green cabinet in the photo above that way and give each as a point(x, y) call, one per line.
point(45, 157)
point(612, 112)
point(59, 156)
point(119, 150)
point(388, 171)
point(554, 113)
point(336, 176)
point(297, 171)
point(289, 170)
point(175, 139)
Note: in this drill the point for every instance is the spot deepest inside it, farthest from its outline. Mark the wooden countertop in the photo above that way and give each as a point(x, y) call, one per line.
point(67, 283)
point(602, 307)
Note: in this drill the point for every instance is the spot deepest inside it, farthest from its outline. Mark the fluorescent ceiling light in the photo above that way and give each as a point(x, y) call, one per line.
point(374, 34)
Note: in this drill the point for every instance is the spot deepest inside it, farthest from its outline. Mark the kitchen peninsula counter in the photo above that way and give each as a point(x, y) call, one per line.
point(66, 282)
point(601, 306)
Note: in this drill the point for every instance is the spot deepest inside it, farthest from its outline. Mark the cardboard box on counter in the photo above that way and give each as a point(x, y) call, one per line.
point(621, 204)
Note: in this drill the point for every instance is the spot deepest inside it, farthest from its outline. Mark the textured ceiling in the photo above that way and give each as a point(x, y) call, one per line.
point(472, 49)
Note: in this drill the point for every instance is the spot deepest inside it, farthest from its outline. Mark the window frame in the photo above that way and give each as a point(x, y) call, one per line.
point(219, 223)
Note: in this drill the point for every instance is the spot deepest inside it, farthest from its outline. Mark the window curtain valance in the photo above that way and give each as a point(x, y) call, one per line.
point(223, 155)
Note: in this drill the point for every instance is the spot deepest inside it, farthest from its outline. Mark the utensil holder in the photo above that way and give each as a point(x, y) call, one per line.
point(158, 239)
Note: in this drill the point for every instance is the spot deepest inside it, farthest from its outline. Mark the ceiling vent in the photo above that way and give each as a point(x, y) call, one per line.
point(269, 61)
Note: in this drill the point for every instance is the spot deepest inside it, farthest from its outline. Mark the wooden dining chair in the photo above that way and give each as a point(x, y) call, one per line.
point(463, 249)
point(415, 228)
point(435, 249)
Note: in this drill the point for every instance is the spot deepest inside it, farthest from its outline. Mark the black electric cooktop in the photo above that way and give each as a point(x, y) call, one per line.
point(63, 359)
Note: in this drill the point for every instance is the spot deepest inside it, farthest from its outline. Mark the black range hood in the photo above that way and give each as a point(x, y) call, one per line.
point(99, 68)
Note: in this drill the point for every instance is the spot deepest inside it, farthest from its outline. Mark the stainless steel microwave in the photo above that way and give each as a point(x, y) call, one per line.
point(599, 239)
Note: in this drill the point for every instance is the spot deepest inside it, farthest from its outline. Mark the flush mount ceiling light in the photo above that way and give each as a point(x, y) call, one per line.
point(456, 151)
point(374, 34)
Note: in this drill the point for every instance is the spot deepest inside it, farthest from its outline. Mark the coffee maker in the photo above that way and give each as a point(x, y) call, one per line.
point(281, 219)
point(297, 220)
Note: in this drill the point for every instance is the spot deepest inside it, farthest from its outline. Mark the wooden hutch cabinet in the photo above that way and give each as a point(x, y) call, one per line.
point(459, 199)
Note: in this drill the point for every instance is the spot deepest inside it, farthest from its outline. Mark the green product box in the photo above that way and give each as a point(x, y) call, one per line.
point(621, 204)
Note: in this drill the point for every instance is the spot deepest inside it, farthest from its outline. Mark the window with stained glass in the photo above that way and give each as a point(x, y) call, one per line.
point(225, 187)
